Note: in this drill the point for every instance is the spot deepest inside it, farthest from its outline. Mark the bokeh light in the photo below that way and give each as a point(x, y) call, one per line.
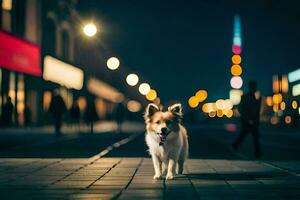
point(274, 120)
point(132, 79)
point(277, 98)
point(151, 95)
point(294, 104)
point(228, 113)
point(144, 88)
point(212, 114)
point(193, 102)
point(236, 59)
point(288, 119)
point(282, 105)
point(235, 96)
point(236, 82)
point(90, 29)
point(113, 63)
point(236, 49)
point(220, 113)
point(201, 95)
point(269, 101)
point(236, 70)
point(134, 106)
point(209, 107)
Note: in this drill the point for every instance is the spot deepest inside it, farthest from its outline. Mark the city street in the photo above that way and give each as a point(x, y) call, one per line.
point(124, 170)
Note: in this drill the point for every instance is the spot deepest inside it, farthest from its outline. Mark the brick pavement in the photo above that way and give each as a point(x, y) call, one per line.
point(131, 178)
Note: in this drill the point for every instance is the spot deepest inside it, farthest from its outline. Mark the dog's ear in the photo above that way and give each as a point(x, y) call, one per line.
point(176, 109)
point(150, 110)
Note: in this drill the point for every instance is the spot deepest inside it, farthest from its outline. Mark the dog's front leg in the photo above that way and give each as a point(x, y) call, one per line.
point(157, 166)
point(171, 168)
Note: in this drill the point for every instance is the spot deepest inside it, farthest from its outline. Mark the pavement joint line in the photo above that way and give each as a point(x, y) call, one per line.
point(280, 168)
point(103, 174)
point(193, 186)
point(129, 182)
point(114, 146)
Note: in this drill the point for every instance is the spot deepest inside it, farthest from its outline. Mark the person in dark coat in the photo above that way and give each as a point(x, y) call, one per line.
point(249, 109)
point(58, 109)
point(7, 112)
point(75, 113)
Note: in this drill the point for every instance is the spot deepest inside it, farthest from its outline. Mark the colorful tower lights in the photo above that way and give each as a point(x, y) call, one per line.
point(236, 70)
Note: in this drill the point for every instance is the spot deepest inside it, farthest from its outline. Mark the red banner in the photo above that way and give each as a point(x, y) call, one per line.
point(19, 55)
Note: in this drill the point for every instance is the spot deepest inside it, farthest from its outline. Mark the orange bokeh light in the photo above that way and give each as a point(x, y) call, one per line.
point(201, 95)
point(236, 70)
point(236, 59)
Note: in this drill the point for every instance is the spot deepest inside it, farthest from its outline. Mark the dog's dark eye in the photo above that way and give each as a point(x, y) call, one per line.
point(157, 122)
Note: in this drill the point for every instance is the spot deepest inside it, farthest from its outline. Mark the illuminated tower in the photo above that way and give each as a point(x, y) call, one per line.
point(236, 70)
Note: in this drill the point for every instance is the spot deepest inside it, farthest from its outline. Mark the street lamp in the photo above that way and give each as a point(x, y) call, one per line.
point(113, 63)
point(90, 29)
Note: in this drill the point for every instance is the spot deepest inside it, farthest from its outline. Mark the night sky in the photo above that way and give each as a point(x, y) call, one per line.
point(182, 46)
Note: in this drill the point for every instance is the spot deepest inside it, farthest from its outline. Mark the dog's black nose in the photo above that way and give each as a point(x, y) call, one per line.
point(164, 130)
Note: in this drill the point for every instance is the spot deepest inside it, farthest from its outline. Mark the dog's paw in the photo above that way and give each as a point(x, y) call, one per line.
point(156, 177)
point(169, 177)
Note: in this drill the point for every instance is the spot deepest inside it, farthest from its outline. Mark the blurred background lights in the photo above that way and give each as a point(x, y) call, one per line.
point(219, 113)
point(90, 29)
point(151, 95)
point(132, 79)
point(193, 102)
point(282, 105)
point(144, 88)
point(201, 95)
point(209, 107)
point(113, 63)
point(236, 70)
point(134, 106)
point(236, 49)
point(288, 119)
point(294, 104)
point(236, 82)
point(212, 114)
point(235, 96)
point(236, 59)
point(269, 101)
point(277, 98)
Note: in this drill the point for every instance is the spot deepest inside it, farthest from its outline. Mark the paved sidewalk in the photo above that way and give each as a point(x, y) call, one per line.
point(131, 178)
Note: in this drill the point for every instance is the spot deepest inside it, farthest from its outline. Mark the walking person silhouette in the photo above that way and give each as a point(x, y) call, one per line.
point(249, 109)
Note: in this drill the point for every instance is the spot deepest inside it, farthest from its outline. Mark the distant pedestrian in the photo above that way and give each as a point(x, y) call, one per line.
point(119, 116)
point(75, 113)
point(27, 116)
point(58, 109)
point(249, 109)
point(91, 114)
point(7, 112)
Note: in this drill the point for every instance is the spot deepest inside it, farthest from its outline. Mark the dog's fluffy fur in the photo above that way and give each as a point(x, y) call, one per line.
point(167, 140)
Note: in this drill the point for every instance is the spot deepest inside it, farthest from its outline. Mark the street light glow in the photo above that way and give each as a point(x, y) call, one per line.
point(144, 88)
point(193, 102)
point(132, 79)
point(151, 95)
point(236, 59)
point(236, 70)
point(90, 29)
point(113, 63)
point(236, 82)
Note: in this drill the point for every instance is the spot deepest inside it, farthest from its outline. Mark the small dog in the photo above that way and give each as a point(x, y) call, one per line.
point(167, 140)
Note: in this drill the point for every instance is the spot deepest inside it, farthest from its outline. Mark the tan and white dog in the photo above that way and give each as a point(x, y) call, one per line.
point(167, 140)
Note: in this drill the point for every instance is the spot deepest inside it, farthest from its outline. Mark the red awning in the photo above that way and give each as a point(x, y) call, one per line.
point(19, 55)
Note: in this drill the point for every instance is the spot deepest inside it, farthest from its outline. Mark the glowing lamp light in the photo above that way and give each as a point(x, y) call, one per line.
point(282, 105)
point(236, 59)
point(201, 95)
point(288, 119)
point(113, 63)
point(229, 113)
point(236, 82)
point(90, 29)
point(235, 96)
point(236, 49)
point(237, 41)
point(193, 102)
point(219, 113)
point(133, 106)
point(294, 104)
point(151, 95)
point(236, 70)
point(277, 98)
point(296, 90)
point(212, 114)
point(144, 88)
point(269, 101)
point(209, 107)
point(132, 79)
